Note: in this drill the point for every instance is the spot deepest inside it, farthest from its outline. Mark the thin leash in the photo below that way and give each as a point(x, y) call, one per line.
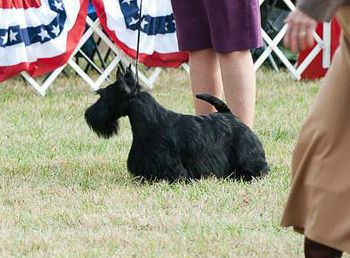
point(138, 44)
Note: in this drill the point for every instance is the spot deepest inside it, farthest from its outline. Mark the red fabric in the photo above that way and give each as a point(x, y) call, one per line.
point(173, 60)
point(8, 4)
point(46, 65)
point(315, 69)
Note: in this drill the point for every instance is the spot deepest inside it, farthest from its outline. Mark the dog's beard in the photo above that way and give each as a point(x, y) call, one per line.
point(100, 121)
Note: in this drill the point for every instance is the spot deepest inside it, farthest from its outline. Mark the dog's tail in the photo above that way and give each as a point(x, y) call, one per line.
point(220, 106)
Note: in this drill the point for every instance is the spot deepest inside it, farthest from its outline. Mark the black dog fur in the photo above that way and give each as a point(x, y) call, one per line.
point(172, 146)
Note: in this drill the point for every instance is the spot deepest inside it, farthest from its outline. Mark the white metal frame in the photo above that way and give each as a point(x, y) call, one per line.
point(94, 28)
point(272, 46)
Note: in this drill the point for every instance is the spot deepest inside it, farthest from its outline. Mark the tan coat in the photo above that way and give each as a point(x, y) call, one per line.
point(321, 10)
point(319, 201)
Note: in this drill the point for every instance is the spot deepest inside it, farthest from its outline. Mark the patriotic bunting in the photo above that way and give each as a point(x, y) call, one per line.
point(158, 43)
point(38, 36)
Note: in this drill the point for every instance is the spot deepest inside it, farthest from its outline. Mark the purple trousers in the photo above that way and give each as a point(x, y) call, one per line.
point(224, 25)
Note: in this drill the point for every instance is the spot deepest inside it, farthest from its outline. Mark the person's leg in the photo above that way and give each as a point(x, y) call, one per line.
point(316, 250)
point(205, 78)
point(238, 76)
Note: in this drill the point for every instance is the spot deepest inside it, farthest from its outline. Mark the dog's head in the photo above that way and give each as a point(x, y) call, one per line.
point(102, 116)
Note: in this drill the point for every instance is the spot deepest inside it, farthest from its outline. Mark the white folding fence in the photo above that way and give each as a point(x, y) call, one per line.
point(94, 28)
point(296, 71)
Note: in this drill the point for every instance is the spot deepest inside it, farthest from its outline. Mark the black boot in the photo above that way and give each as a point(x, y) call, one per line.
point(316, 250)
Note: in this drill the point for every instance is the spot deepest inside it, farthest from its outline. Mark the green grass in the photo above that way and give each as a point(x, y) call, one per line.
point(66, 193)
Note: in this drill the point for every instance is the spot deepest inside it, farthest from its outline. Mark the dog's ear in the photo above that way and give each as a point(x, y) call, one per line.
point(129, 74)
point(129, 70)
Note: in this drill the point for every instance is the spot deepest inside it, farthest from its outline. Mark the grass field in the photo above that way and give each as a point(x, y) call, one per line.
point(66, 193)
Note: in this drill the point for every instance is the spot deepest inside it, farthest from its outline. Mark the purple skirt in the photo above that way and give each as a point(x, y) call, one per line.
point(224, 25)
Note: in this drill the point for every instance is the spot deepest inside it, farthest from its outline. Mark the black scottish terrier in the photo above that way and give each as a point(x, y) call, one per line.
point(172, 146)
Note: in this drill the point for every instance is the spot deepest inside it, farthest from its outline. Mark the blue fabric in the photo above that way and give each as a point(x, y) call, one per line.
point(91, 8)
